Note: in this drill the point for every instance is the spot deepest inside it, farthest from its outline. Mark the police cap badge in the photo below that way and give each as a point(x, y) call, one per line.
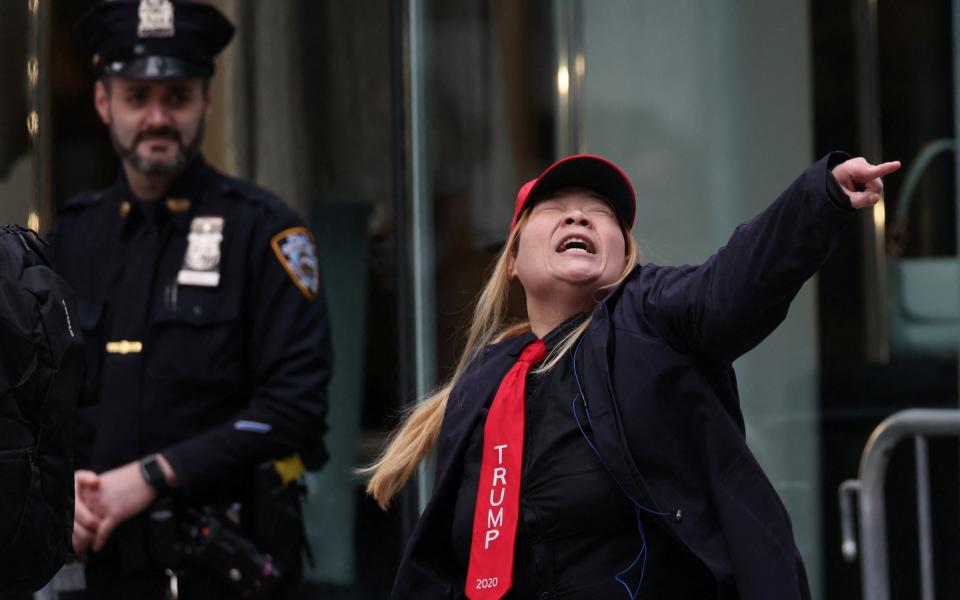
point(154, 39)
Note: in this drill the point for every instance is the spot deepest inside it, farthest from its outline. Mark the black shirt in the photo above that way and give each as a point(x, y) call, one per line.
point(579, 536)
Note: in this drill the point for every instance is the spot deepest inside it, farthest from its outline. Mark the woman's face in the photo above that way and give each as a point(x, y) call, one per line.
point(571, 242)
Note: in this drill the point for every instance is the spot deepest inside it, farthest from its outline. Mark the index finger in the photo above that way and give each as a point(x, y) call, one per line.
point(883, 169)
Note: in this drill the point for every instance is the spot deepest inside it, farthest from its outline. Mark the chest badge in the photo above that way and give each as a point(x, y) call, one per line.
point(201, 261)
point(297, 252)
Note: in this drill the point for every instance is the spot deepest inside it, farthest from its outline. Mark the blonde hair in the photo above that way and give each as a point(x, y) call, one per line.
point(415, 438)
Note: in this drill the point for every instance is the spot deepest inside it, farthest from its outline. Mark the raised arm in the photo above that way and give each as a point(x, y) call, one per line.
point(731, 302)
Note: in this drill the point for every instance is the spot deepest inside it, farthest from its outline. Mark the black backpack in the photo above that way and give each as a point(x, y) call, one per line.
point(41, 373)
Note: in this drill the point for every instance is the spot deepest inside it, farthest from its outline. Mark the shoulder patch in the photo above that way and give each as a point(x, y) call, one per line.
point(297, 252)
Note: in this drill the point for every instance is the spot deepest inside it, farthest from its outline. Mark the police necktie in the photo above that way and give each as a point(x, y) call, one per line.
point(490, 572)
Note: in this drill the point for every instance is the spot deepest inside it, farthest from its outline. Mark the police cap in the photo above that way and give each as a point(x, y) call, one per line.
point(154, 39)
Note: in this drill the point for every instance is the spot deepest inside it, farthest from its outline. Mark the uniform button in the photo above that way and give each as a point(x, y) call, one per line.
point(678, 516)
point(198, 310)
point(545, 595)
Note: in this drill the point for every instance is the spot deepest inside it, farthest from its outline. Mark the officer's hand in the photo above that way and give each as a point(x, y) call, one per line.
point(85, 522)
point(123, 493)
point(861, 180)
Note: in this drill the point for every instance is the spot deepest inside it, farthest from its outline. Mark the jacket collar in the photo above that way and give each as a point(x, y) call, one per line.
point(179, 205)
point(606, 426)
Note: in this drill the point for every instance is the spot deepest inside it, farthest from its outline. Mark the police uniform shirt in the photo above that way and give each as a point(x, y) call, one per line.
point(220, 372)
point(577, 531)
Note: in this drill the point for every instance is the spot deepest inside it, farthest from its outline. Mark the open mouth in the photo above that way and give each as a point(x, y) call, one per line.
point(575, 244)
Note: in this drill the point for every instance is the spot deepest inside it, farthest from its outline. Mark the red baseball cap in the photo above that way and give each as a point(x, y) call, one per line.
point(587, 171)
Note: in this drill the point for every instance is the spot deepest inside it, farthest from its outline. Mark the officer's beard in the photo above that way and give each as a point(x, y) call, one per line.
point(158, 167)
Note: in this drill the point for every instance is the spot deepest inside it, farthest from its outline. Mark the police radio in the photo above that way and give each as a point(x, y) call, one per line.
point(208, 542)
point(254, 546)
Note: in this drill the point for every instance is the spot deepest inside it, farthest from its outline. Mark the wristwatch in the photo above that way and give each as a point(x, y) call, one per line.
point(153, 474)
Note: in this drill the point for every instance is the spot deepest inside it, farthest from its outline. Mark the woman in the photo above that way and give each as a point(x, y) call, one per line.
point(598, 450)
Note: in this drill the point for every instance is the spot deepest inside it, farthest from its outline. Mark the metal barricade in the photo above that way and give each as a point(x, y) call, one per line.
point(874, 563)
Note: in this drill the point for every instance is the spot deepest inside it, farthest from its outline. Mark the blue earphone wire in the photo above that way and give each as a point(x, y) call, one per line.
point(644, 551)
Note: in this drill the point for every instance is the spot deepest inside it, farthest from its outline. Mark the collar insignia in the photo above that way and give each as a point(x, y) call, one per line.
point(178, 205)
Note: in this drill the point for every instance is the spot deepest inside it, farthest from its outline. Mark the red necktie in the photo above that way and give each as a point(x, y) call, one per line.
point(490, 573)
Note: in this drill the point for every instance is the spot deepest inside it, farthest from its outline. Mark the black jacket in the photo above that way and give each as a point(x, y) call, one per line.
point(229, 375)
point(663, 399)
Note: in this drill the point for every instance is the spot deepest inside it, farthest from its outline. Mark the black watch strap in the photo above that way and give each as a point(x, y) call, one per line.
point(153, 473)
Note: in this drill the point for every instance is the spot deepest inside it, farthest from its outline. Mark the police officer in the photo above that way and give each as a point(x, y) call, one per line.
point(207, 336)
